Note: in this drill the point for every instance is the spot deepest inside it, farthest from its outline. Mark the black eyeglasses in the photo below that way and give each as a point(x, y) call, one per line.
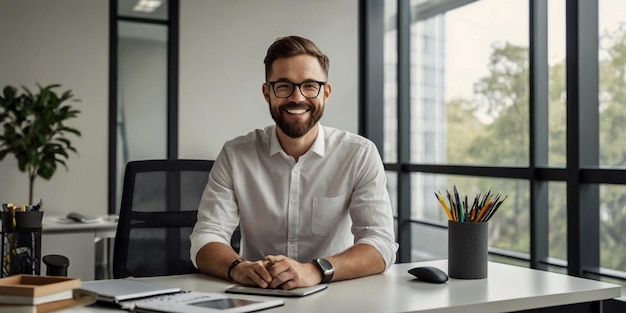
point(309, 89)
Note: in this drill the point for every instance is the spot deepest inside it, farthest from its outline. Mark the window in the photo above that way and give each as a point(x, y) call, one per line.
point(390, 76)
point(528, 102)
point(612, 73)
point(483, 90)
point(556, 84)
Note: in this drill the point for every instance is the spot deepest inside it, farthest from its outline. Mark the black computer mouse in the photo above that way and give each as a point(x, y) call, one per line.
point(429, 274)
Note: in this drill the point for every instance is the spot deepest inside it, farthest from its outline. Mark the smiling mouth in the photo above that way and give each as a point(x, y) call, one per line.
point(296, 111)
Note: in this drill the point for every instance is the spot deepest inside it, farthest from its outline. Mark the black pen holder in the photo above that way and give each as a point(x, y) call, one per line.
point(21, 243)
point(23, 220)
point(467, 250)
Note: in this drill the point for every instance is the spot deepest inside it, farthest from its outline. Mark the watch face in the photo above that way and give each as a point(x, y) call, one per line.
point(325, 265)
point(326, 268)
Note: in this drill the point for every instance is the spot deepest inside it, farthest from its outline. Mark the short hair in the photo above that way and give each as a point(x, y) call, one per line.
point(285, 47)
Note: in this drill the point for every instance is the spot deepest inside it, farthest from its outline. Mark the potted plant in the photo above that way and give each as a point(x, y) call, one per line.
point(34, 130)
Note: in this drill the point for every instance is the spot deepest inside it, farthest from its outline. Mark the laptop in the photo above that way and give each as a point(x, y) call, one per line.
point(116, 291)
point(296, 292)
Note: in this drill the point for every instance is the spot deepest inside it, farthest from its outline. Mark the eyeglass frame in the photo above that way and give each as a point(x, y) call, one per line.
point(271, 84)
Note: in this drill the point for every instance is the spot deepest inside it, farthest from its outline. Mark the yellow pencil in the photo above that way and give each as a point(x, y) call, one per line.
point(444, 206)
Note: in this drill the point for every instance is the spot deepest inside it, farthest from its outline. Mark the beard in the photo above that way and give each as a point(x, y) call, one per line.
point(295, 128)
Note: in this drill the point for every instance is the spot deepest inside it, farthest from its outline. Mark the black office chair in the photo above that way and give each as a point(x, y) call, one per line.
point(160, 200)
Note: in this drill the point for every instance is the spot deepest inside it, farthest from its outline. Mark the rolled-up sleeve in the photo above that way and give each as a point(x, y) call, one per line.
point(217, 213)
point(370, 207)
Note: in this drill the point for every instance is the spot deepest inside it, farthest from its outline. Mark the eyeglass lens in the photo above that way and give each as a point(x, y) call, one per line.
point(307, 89)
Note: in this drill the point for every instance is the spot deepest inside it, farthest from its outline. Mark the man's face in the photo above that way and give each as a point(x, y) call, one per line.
point(296, 114)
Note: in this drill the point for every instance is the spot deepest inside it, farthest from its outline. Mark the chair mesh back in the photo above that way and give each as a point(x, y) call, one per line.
point(159, 205)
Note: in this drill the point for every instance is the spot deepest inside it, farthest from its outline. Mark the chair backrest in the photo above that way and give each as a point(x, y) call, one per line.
point(160, 201)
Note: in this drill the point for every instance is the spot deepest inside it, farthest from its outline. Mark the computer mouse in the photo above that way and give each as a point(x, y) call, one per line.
point(75, 216)
point(429, 274)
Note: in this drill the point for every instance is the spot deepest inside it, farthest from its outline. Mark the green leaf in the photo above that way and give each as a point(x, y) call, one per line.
point(10, 93)
point(71, 130)
point(33, 128)
point(46, 170)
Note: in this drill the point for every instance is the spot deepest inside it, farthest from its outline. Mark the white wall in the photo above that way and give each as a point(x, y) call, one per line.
point(64, 42)
point(223, 44)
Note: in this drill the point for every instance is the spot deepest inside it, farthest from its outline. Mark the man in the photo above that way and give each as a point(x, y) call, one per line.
point(311, 201)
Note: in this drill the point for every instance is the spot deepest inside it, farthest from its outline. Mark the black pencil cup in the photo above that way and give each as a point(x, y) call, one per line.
point(21, 243)
point(467, 250)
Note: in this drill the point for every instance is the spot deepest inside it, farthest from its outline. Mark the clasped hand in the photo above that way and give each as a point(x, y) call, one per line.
point(277, 271)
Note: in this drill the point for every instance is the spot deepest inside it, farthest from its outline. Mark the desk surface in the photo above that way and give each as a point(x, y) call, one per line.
point(57, 224)
point(78, 241)
point(507, 288)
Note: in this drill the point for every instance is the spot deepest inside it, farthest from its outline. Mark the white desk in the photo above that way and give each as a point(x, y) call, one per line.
point(508, 288)
point(55, 224)
point(77, 242)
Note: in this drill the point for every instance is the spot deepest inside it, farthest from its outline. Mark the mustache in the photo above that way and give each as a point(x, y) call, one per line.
point(297, 105)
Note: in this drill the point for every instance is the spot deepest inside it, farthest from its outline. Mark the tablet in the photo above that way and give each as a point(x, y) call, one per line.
point(296, 292)
point(201, 302)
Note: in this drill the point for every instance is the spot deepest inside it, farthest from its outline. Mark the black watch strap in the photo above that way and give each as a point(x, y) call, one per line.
point(232, 266)
point(326, 268)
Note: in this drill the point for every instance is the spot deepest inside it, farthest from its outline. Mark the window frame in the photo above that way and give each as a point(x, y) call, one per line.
point(173, 25)
point(582, 175)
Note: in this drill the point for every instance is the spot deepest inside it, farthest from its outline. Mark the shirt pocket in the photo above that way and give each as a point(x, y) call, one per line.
point(327, 213)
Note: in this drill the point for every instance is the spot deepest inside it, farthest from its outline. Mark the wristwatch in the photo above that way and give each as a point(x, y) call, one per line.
point(232, 266)
point(326, 268)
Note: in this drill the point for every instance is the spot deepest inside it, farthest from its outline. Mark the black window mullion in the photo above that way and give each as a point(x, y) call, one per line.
point(404, 129)
point(371, 68)
point(583, 223)
point(589, 136)
point(539, 130)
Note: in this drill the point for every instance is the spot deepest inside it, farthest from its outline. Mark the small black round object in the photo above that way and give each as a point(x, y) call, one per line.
point(56, 265)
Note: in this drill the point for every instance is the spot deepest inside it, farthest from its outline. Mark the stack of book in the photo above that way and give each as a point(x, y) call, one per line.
point(40, 294)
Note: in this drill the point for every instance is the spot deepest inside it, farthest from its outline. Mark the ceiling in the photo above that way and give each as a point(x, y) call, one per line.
point(126, 8)
point(136, 29)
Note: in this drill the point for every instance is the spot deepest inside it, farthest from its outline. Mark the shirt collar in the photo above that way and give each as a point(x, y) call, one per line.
point(318, 147)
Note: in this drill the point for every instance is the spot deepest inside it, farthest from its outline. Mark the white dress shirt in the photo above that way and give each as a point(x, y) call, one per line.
point(333, 197)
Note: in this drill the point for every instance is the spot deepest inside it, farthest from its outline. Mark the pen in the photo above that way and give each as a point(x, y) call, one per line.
point(473, 210)
point(37, 207)
point(484, 200)
point(466, 213)
point(459, 205)
point(458, 209)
